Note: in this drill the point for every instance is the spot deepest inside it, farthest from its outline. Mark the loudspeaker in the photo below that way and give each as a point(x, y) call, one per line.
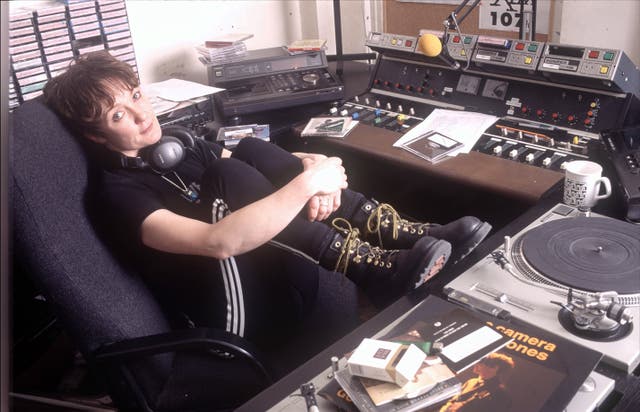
point(167, 153)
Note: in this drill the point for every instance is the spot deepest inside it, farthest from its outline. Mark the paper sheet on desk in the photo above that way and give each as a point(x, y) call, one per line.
point(170, 94)
point(466, 127)
point(178, 90)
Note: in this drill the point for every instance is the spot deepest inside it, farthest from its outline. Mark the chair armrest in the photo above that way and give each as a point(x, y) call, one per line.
point(203, 340)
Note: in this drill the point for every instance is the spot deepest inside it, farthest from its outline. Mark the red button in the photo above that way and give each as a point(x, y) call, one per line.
point(593, 54)
point(519, 46)
point(408, 43)
point(456, 39)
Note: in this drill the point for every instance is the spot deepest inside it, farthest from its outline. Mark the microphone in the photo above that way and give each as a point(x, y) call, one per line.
point(430, 45)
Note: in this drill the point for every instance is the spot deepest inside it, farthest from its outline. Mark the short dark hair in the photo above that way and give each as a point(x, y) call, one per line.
point(82, 93)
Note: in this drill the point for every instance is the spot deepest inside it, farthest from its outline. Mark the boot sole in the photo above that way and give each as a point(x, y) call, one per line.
point(471, 243)
point(434, 260)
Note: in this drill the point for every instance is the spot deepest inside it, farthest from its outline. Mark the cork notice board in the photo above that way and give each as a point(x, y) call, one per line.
point(407, 18)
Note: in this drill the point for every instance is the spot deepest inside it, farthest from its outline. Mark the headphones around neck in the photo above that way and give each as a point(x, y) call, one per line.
point(164, 155)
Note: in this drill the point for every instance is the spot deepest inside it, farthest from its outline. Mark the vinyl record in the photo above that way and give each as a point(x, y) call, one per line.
point(588, 253)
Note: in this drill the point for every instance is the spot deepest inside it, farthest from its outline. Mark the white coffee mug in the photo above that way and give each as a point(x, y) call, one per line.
point(582, 182)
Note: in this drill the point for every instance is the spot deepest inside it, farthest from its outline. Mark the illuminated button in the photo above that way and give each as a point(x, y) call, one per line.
point(593, 54)
point(593, 105)
point(401, 118)
point(524, 109)
point(467, 40)
point(576, 140)
point(519, 46)
point(456, 39)
point(344, 112)
point(463, 53)
point(355, 116)
point(527, 60)
point(590, 113)
point(587, 122)
point(533, 47)
point(539, 112)
point(333, 110)
point(555, 116)
point(604, 69)
point(408, 43)
point(393, 42)
point(608, 56)
point(571, 118)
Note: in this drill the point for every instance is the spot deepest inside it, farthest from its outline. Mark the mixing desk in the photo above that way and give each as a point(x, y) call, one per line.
point(546, 117)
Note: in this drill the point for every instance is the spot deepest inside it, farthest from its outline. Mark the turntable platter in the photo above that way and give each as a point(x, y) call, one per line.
point(588, 253)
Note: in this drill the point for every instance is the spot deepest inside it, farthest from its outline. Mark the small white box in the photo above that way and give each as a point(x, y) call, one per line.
point(386, 361)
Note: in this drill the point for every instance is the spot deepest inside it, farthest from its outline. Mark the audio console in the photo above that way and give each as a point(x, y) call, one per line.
point(548, 112)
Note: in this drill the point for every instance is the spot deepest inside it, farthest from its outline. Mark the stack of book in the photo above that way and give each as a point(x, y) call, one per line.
point(482, 364)
point(223, 49)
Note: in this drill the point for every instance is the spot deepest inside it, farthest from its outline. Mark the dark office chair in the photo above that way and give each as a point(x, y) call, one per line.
point(110, 315)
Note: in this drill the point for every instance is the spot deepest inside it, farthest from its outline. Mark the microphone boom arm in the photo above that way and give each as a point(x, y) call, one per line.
point(452, 21)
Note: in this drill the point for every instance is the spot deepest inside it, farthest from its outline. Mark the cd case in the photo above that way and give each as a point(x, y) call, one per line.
point(432, 146)
point(329, 126)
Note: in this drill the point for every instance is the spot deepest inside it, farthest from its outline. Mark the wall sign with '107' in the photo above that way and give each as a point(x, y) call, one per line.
point(505, 15)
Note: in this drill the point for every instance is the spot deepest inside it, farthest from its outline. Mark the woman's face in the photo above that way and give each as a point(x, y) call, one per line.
point(130, 124)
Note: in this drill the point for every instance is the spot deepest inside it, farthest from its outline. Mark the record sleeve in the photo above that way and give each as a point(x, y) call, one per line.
point(432, 146)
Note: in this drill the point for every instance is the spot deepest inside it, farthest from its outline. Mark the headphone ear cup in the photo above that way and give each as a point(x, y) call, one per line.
point(183, 133)
point(166, 154)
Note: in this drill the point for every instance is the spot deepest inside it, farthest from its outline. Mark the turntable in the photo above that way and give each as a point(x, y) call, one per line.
point(574, 275)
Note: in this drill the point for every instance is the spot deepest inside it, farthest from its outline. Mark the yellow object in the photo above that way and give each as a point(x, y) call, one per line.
point(430, 44)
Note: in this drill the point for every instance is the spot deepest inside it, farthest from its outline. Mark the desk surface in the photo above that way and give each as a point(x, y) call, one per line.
point(281, 395)
point(531, 191)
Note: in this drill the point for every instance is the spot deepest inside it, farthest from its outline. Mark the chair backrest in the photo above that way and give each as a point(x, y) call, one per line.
point(95, 299)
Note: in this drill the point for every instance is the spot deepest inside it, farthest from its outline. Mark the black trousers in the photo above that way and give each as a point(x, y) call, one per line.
point(262, 292)
point(258, 168)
